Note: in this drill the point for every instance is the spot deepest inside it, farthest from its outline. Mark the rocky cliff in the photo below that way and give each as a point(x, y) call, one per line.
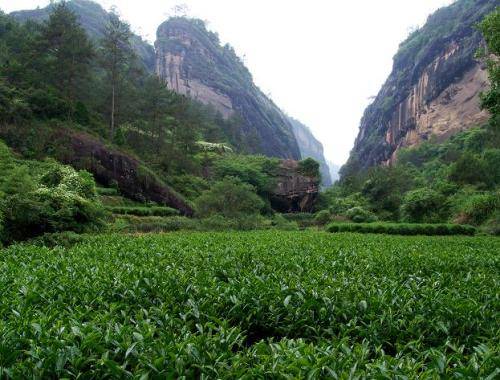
point(294, 191)
point(310, 147)
point(433, 90)
point(191, 61)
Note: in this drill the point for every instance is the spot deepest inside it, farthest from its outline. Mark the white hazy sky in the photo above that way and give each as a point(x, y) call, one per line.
point(319, 60)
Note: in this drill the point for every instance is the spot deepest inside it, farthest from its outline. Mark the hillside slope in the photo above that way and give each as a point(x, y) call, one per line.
point(191, 61)
point(93, 19)
point(433, 89)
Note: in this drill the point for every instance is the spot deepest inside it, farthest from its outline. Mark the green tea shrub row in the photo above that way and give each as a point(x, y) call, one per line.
point(303, 219)
point(266, 304)
point(107, 191)
point(403, 228)
point(143, 210)
point(132, 224)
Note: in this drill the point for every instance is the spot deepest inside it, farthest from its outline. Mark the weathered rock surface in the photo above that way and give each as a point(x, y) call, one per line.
point(310, 147)
point(191, 61)
point(433, 90)
point(294, 192)
point(454, 110)
point(109, 165)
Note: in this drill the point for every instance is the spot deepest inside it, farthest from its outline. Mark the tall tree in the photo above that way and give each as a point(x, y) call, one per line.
point(116, 57)
point(490, 28)
point(68, 49)
point(157, 101)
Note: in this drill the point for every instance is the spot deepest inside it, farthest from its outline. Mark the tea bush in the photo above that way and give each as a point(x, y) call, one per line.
point(143, 210)
point(403, 228)
point(251, 305)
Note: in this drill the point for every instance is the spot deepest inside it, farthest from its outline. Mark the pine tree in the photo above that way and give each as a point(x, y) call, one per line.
point(68, 49)
point(116, 57)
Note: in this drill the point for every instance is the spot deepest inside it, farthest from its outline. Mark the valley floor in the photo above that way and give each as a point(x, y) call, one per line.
point(252, 304)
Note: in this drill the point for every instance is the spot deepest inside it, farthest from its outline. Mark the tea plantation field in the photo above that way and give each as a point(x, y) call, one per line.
point(252, 305)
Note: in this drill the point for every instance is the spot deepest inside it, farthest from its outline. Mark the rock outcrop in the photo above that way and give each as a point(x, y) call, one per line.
point(310, 147)
point(109, 166)
point(294, 191)
point(433, 90)
point(191, 61)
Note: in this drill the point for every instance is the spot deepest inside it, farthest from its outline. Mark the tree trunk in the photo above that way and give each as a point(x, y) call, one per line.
point(112, 129)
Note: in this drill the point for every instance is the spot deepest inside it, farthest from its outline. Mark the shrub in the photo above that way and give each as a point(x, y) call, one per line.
point(492, 226)
point(257, 171)
point(339, 205)
point(45, 198)
point(422, 206)
point(281, 223)
point(468, 169)
point(477, 208)
point(360, 215)
point(230, 198)
point(303, 219)
point(309, 167)
point(176, 223)
point(322, 217)
point(189, 185)
point(403, 229)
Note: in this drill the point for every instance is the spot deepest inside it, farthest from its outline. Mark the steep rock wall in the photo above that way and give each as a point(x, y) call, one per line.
point(433, 90)
point(191, 61)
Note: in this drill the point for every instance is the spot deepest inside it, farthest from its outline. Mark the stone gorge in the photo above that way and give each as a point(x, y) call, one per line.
point(433, 90)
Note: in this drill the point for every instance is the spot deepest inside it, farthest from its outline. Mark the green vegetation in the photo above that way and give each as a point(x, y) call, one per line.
point(94, 85)
point(44, 197)
point(230, 198)
point(258, 304)
point(309, 167)
point(403, 228)
point(455, 181)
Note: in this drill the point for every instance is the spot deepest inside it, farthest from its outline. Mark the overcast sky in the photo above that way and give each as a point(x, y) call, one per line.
point(319, 60)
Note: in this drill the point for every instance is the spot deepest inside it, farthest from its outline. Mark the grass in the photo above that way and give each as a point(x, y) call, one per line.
point(253, 305)
point(403, 228)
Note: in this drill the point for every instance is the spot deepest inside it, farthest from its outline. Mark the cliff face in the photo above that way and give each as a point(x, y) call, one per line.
point(191, 61)
point(310, 147)
point(433, 90)
point(294, 191)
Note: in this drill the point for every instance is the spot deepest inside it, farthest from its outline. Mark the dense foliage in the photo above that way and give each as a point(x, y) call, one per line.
point(44, 197)
point(230, 198)
point(255, 305)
